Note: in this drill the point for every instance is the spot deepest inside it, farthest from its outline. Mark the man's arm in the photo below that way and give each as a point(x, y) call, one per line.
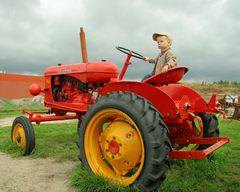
point(150, 60)
point(171, 59)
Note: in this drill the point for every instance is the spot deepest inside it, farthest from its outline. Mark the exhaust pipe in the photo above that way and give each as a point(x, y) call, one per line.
point(83, 45)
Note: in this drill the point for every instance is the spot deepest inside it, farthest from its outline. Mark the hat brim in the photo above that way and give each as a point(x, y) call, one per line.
point(155, 35)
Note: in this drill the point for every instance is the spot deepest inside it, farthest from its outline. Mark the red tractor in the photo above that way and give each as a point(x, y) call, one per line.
point(128, 130)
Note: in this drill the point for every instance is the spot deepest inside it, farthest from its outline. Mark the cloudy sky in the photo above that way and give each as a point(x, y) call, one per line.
point(40, 33)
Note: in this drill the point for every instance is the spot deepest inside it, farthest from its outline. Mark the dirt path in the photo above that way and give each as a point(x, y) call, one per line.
point(38, 175)
point(6, 121)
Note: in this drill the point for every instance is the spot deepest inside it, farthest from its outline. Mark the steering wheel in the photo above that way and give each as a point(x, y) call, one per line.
point(127, 51)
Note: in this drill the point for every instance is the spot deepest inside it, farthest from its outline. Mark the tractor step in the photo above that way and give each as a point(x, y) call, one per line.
point(214, 143)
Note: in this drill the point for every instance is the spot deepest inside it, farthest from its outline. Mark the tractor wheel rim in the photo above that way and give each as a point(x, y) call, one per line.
point(18, 136)
point(109, 146)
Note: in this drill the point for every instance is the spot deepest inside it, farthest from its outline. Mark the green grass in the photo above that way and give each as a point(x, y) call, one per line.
point(85, 181)
point(221, 173)
point(8, 109)
point(56, 141)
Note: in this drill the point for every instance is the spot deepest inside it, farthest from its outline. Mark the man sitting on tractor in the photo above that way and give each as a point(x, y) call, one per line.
point(166, 58)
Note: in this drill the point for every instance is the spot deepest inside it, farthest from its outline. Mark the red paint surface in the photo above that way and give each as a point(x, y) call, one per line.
point(113, 147)
point(15, 86)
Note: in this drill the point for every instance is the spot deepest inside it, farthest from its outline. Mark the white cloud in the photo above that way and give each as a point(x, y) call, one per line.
point(39, 33)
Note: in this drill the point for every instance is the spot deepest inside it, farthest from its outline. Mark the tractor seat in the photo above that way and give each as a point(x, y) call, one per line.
point(173, 75)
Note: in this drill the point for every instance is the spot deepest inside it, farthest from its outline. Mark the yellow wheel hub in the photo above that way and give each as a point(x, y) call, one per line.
point(18, 136)
point(114, 147)
point(121, 146)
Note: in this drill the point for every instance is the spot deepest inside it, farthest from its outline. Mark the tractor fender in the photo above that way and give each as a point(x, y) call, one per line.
point(177, 92)
point(159, 99)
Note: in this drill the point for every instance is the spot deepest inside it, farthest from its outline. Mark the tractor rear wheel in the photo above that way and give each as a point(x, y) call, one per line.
point(22, 135)
point(124, 139)
point(80, 120)
point(210, 127)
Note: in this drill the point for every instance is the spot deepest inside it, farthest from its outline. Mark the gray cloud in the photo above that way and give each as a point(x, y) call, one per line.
point(42, 33)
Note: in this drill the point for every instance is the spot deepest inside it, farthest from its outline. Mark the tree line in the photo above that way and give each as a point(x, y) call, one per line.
point(223, 83)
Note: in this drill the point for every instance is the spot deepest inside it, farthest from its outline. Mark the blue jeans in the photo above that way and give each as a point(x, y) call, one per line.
point(147, 76)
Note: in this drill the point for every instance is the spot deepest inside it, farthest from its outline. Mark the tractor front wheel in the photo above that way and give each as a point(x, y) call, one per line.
point(22, 135)
point(124, 139)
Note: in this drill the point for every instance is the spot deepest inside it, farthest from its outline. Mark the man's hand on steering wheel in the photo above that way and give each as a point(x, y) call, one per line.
point(146, 58)
point(133, 53)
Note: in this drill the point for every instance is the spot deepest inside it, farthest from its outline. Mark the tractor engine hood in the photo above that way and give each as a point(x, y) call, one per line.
point(101, 71)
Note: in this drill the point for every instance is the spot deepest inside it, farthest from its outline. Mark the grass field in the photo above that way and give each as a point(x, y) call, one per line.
point(221, 173)
point(8, 108)
point(52, 140)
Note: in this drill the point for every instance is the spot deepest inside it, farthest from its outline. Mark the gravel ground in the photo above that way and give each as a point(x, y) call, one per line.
point(38, 175)
point(28, 175)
